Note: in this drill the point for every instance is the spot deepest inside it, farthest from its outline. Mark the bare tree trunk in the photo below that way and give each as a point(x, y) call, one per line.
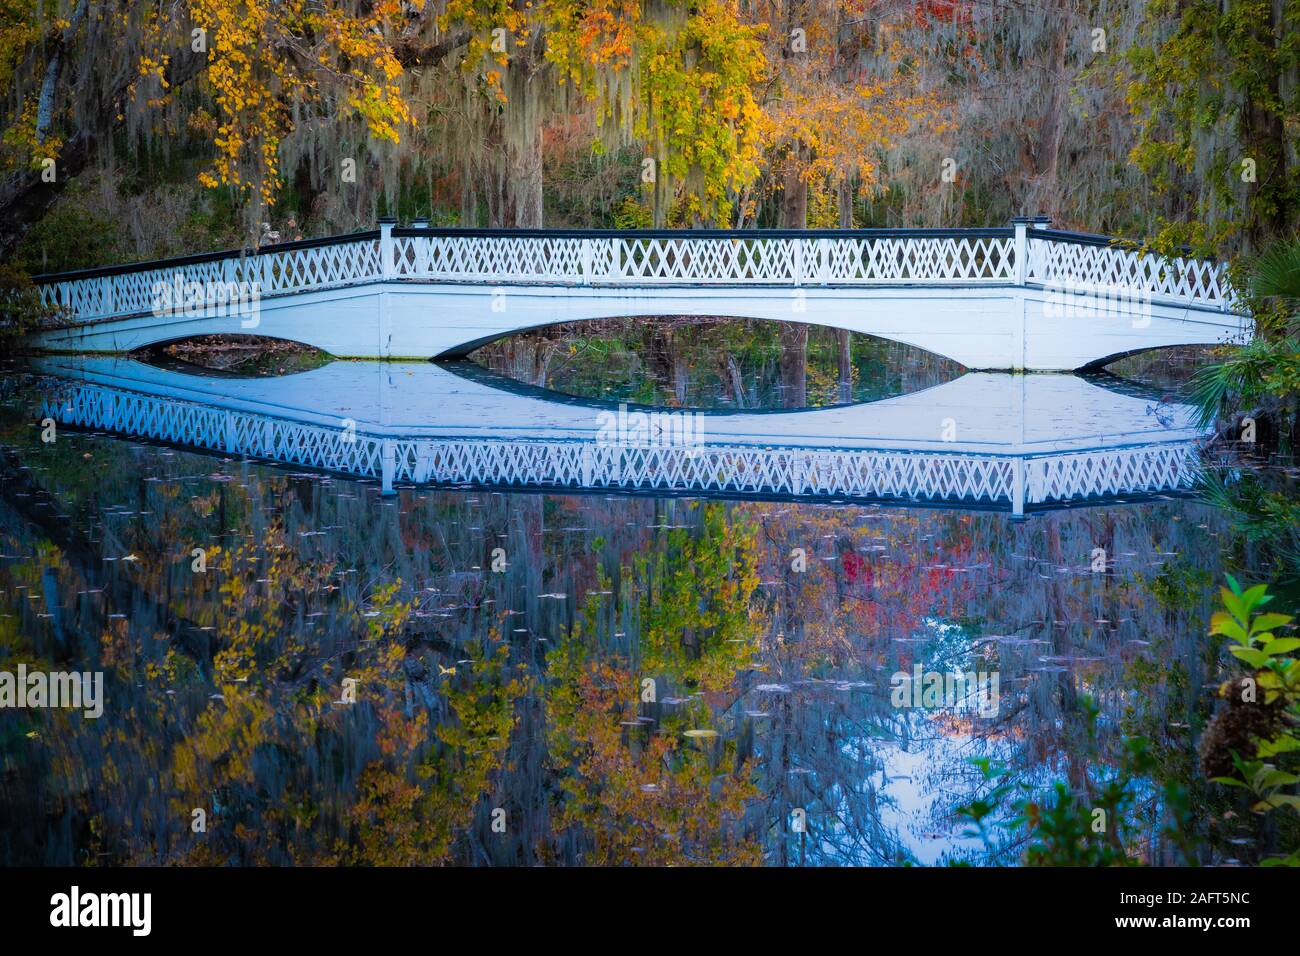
point(1265, 137)
point(661, 189)
point(844, 351)
point(468, 202)
point(794, 335)
point(794, 199)
point(524, 186)
point(794, 364)
point(730, 371)
point(53, 72)
point(494, 189)
point(845, 203)
point(513, 171)
point(26, 195)
point(546, 350)
point(521, 133)
point(1044, 194)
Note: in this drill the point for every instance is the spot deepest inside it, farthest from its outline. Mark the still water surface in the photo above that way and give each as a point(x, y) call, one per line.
point(480, 676)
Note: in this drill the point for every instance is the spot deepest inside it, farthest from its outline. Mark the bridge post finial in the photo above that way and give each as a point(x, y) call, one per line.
point(386, 224)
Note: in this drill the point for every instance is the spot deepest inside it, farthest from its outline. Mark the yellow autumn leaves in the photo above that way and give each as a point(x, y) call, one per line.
point(266, 59)
point(714, 96)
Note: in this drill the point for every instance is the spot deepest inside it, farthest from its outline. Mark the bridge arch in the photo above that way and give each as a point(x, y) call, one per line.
point(232, 355)
point(940, 324)
point(1107, 360)
point(475, 373)
point(467, 348)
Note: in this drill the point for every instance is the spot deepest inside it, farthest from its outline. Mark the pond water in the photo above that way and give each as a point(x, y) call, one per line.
point(701, 363)
point(299, 668)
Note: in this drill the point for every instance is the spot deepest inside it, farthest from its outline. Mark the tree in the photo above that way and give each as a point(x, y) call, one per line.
point(681, 79)
point(839, 97)
point(1211, 112)
point(269, 70)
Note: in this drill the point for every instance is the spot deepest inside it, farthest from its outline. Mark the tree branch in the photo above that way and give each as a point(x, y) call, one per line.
point(26, 195)
point(410, 54)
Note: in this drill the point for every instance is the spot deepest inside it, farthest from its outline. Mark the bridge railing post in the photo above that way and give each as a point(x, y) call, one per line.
point(798, 260)
point(588, 260)
point(386, 246)
point(619, 253)
point(1021, 225)
point(228, 435)
point(387, 465)
point(265, 272)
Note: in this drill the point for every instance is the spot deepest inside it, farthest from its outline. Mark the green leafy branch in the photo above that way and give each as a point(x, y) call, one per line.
point(1277, 674)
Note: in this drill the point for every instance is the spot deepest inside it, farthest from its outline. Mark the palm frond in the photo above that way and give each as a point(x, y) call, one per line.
point(1239, 380)
point(1209, 391)
point(1276, 272)
point(1274, 284)
point(1211, 488)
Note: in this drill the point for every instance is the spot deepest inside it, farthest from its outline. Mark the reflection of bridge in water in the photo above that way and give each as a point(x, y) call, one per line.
point(984, 440)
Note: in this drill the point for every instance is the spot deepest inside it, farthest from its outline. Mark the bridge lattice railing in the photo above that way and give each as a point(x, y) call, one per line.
point(199, 280)
point(1008, 257)
point(1063, 261)
point(704, 260)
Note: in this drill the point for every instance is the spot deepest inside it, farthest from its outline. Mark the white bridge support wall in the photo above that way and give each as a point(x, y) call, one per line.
point(982, 328)
point(987, 301)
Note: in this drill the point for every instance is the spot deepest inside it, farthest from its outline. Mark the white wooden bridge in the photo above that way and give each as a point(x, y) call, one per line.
point(1021, 297)
point(1013, 442)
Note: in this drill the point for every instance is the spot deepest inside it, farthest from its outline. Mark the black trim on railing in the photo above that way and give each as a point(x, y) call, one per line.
point(1078, 238)
point(371, 235)
point(1003, 232)
point(454, 232)
point(1092, 239)
point(99, 271)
